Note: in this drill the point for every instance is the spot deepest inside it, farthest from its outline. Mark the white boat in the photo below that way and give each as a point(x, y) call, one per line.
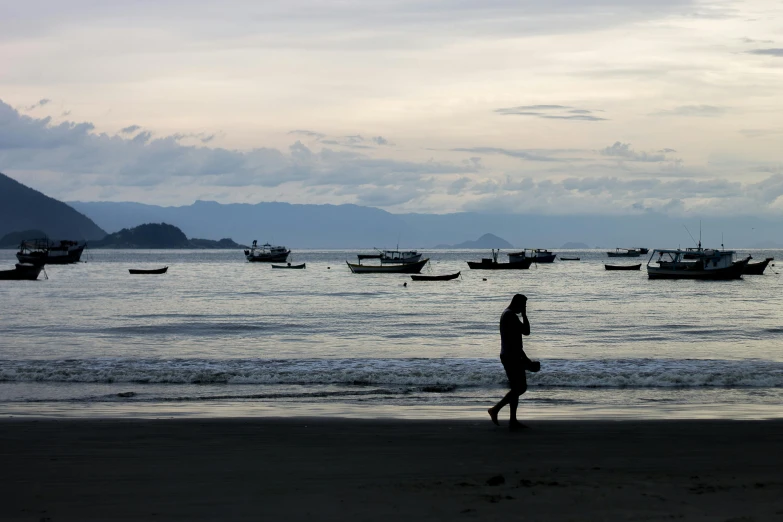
point(267, 253)
point(708, 264)
point(624, 252)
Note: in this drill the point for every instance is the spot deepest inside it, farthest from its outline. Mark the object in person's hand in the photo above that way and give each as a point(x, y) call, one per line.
point(534, 366)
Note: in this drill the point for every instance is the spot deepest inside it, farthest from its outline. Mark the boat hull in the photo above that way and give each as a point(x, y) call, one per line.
point(757, 268)
point(569, 258)
point(293, 267)
point(150, 271)
point(623, 267)
point(52, 257)
point(400, 268)
point(446, 277)
point(268, 258)
point(488, 264)
point(21, 273)
point(734, 271)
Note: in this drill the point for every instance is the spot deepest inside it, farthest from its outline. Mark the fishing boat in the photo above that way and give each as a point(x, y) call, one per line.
point(396, 268)
point(569, 258)
point(757, 268)
point(623, 267)
point(539, 255)
point(624, 252)
point(393, 256)
point(148, 271)
point(267, 253)
point(44, 251)
point(22, 272)
point(289, 265)
point(522, 263)
point(445, 277)
point(643, 251)
point(710, 264)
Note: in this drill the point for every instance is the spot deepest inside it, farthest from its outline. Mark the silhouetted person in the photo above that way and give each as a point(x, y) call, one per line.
point(513, 358)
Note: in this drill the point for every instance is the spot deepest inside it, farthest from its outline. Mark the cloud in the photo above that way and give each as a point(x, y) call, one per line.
point(550, 112)
point(758, 133)
point(520, 154)
point(130, 129)
point(667, 151)
point(41, 103)
point(380, 140)
point(308, 133)
point(707, 111)
point(143, 160)
point(777, 52)
point(624, 151)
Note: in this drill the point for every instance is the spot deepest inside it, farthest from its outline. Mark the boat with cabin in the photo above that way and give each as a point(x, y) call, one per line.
point(45, 251)
point(388, 268)
point(706, 264)
point(538, 255)
point(486, 263)
point(267, 253)
point(624, 252)
point(393, 256)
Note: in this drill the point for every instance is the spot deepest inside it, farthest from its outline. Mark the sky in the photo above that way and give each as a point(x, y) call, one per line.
point(434, 106)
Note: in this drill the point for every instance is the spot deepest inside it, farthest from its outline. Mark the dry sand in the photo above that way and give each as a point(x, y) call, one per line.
point(336, 469)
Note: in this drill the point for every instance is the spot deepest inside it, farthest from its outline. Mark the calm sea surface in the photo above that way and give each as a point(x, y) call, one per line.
point(218, 336)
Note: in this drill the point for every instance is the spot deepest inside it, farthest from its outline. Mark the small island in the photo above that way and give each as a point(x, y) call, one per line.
point(484, 242)
point(159, 235)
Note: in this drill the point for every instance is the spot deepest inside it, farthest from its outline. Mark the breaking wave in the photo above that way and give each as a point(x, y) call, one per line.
point(435, 374)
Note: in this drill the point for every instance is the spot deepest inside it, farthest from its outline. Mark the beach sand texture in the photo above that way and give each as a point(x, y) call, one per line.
point(337, 469)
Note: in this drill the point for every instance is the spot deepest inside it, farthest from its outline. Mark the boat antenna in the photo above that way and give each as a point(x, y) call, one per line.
point(689, 233)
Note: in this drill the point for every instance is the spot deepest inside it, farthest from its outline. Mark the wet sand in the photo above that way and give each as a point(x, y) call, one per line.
point(337, 469)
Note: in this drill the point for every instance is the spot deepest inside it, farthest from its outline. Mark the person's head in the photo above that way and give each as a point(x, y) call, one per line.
point(518, 303)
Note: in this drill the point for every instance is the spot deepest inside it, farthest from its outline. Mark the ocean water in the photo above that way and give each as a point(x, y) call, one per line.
point(217, 336)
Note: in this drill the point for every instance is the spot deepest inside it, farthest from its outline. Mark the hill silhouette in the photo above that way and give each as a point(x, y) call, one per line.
point(158, 235)
point(14, 239)
point(22, 208)
point(485, 241)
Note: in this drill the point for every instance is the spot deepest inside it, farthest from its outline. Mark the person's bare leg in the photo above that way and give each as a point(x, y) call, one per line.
point(513, 423)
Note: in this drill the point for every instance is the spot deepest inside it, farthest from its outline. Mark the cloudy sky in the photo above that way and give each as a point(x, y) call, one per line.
point(558, 106)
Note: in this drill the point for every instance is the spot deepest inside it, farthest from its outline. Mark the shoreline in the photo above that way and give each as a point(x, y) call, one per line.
point(322, 468)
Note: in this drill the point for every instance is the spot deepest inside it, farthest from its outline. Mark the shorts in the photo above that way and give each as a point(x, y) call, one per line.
point(515, 371)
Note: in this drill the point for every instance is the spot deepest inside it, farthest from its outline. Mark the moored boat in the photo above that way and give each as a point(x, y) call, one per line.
point(149, 270)
point(445, 277)
point(396, 268)
point(521, 263)
point(398, 256)
point(757, 268)
point(289, 265)
point(21, 272)
point(267, 253)
point(624, 252)
point(44, 251)
point(623, 267)
point(709, 264)
point(538, 255)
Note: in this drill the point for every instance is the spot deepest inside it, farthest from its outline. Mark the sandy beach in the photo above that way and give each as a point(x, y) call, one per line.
point(336, 469)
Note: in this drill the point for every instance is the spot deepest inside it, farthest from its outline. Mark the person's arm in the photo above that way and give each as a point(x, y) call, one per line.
point(525, 324)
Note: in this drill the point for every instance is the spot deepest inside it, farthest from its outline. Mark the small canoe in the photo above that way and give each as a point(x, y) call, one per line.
point(22, 272)
point(152, 271)
point(569, 258)
point(289, 265)
point(757, 268)
point(446, 277)
point(623, 267)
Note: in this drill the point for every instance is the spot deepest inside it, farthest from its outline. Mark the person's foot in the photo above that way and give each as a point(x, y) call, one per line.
point(516, 426)
point(493, 414)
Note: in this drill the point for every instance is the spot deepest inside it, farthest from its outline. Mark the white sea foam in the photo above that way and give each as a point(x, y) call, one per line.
point(445, 374)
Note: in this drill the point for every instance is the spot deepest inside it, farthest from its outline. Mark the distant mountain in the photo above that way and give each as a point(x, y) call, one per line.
point(14, 239)
point(22, 208)
point(575, 246)
point(353, 226)
point(158, 235)
point(484, 242)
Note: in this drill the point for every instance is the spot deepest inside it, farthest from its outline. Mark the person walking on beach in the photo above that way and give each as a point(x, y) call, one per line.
point(513, 358)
